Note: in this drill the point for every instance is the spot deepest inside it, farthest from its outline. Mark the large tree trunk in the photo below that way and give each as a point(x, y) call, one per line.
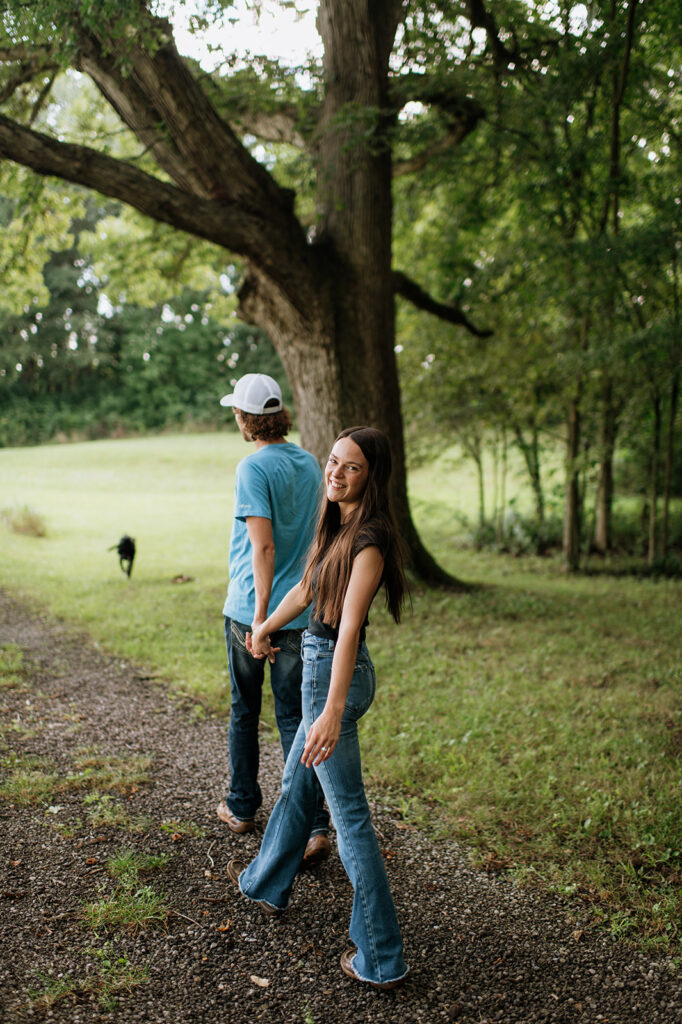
point(340, 354)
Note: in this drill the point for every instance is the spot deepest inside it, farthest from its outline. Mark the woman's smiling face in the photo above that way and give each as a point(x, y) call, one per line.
point(345, 475)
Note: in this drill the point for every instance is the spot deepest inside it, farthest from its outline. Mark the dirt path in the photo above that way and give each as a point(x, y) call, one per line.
point(118, 769)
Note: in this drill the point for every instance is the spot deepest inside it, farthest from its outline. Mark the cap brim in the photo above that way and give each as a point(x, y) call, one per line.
point(227, 400)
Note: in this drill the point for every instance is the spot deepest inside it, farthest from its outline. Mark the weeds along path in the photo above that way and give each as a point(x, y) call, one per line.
point(115, 905)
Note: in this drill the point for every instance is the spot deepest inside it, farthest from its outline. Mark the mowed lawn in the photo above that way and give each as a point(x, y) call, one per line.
point(537, 717)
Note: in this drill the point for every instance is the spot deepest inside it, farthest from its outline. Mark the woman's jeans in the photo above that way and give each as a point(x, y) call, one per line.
point(246, 684)
point(270, 877)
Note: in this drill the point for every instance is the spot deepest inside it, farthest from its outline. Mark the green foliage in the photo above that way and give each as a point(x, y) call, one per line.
point(70, 370)
point(36, 216)
point(531, 229)
point(541, 225)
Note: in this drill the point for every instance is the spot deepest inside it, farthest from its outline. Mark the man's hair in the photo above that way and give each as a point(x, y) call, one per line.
point(267, 427)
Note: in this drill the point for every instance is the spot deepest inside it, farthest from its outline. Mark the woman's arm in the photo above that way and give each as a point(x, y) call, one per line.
point(365, 577)
point(290, 607)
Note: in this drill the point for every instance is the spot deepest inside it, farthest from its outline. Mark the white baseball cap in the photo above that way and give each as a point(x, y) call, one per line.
point(255, 393)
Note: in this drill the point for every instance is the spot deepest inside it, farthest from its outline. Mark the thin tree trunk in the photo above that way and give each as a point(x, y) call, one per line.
point(502, 502)
point(605, 485)
point(572, 507)
point(531, 455)
point(669, 462)
point(653, 485)
point(481, 489)
point(609, 421)
point(672, 414)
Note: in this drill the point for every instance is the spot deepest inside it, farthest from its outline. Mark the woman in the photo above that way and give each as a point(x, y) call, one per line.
point(355, 551)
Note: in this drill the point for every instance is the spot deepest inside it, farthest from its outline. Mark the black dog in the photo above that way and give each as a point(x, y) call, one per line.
point(126, 553)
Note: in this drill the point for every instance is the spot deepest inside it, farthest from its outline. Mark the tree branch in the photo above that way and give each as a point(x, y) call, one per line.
point(157, 96)
point(460, 113)
point(42, 99)
point(480, 17)
point(440, 91)
point(258, 235)
point(224, 224)
point(23, 53)
point(410, 290)
point(419, 160)
point(24, 74)
point(32, 63)
point(136, 112)
point(278, 126)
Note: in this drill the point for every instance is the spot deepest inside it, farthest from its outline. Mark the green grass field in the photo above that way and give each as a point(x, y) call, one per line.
point(536, 718)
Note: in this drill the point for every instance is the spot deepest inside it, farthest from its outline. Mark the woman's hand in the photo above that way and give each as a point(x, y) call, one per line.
point(323, 735)
point(258, 644)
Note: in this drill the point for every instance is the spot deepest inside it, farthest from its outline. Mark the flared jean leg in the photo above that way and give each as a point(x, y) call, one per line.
point(374, 927)
point(271, 875)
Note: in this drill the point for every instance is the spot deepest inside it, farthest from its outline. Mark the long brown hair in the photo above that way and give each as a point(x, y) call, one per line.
point(331, 554)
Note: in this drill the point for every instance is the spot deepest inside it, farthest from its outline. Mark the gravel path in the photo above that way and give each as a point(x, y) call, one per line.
point(480, 950)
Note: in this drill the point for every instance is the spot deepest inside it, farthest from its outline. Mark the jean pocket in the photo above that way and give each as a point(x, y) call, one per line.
point(362, 688)
point(238, 635)
point(308, 652)
point(289, 640)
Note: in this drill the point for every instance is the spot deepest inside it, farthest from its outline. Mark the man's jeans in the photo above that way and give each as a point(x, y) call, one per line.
point(270, 877)
point(246, 683)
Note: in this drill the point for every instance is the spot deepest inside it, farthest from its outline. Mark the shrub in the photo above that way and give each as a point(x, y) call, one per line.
point(22, 519)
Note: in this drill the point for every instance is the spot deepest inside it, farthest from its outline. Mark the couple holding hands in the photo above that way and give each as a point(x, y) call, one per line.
point(317, 563)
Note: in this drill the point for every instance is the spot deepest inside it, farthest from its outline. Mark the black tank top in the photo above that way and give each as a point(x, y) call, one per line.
point(373, 534)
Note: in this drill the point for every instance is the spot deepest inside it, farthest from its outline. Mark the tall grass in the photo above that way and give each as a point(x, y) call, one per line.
point(538, 717)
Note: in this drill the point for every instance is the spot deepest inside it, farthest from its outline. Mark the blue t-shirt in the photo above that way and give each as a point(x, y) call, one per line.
point(280, 482)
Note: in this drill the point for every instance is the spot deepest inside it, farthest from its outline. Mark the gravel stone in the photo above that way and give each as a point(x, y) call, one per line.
point(481, 950)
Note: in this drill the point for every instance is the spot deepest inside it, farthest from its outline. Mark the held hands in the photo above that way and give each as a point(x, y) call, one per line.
point(258, 644)
point(322, 738)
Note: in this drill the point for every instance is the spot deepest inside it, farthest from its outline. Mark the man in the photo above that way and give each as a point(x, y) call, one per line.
point(277, 491)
